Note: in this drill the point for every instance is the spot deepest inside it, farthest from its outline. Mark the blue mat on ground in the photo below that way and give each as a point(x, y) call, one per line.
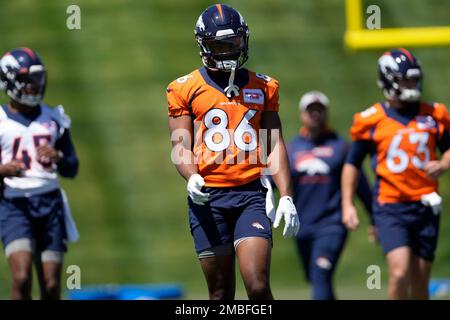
point(439, 287)
point(127, 292)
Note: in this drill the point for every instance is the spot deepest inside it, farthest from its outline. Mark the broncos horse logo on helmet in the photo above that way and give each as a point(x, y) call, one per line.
point(222, 36)
point(396, 65)
point(23, 76)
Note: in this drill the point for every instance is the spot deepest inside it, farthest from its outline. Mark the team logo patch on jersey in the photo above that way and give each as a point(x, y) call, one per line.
point(425, 122)
point(253, 96)
point(311, 165)
point(257, 225)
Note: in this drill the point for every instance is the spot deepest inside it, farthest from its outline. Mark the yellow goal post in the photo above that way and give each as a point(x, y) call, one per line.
point(358, 38)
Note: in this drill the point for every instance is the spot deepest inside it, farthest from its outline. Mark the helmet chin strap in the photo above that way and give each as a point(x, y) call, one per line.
point(232, 89)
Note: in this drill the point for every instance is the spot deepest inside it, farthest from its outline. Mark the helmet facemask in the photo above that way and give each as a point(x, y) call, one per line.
point(29, 88)
point(224, 53)
point(26, 88)
point(404, 92)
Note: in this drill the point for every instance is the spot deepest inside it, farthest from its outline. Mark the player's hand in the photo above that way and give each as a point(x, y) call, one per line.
point(14, 168)
point(372, 234)
point(350, 217)
point(47, 154)
point(194, 188)
point(434, 169)
point(287, 210)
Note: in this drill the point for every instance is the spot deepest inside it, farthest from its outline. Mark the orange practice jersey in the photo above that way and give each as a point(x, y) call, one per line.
point(402, 149)
point(227, 139)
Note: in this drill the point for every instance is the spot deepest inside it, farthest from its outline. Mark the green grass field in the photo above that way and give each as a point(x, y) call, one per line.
point(128, 200)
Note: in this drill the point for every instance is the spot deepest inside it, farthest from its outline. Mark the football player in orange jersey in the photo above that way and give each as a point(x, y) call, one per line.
point(402, 135)
point(217, 118)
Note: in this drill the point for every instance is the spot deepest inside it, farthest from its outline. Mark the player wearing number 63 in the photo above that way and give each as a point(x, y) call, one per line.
point(402, 135)
point(216, 114)
point(35, 146)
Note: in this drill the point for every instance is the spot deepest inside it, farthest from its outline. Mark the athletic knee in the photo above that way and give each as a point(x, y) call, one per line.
point(258, 290)
point(221, 289)
point(222, 293)
point(21, 279)
point(399, 275)
point(51, 289)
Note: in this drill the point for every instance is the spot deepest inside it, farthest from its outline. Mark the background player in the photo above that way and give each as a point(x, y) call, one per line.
point(35, 146)
point(217, 112)
point(317, 156)
point(402, 135)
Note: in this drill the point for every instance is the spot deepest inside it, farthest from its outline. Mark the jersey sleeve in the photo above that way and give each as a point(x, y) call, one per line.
point(178, 104)
point(364, 124)
point(62, 119)
point(442, 116)
point(443, 122)
point(68, 165)
point(365, 194)
point(358, 151)
point(272, 103)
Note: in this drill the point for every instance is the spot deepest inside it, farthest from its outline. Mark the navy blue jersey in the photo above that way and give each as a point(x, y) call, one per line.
point(316, 167)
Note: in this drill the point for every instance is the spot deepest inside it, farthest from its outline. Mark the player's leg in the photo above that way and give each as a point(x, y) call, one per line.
point(220, 276)
point(214, 245)
point(48, 268)
point(254, 254)
point(423, 247)
point(394, 223)
point(20, 264)
point(326, 249)
point(399, 267)
point(253, 240)
point(303, 245)
point(18, 241)
point(420, 277)
point(49, 228)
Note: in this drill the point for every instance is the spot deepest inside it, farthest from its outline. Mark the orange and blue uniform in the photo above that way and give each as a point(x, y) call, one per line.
point(228, 151)
point(226, 143)
point(401, 143)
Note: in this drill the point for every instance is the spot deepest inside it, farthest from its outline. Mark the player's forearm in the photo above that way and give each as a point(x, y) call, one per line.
point(279, 164)
point(349, 180)
point(181, 136)
point(184, 160)
point(445, 160)
point(186, 170)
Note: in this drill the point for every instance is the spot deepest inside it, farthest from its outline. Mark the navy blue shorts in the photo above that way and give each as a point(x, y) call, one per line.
point(39, 218)
point(407, 224)
point(231, 214)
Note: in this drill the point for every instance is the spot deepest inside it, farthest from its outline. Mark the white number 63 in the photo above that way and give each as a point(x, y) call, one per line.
point(394, 152)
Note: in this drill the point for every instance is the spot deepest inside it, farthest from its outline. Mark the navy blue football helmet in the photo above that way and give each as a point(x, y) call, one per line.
point(23, 76)
point(396, 65)
point(222, 36)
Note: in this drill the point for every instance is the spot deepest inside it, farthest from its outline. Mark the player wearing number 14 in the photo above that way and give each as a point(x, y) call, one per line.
point(402, 135)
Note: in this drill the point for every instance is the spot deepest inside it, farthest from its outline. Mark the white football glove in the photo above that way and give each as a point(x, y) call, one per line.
point(194, 188)
point(287, 210)
point(434, 201)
